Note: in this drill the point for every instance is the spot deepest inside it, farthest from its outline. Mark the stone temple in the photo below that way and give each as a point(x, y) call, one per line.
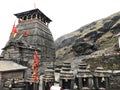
point(20, 49)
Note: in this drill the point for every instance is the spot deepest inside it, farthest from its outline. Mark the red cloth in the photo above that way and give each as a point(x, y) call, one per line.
point(26, 32)
point(14, 30)
point(36, 58)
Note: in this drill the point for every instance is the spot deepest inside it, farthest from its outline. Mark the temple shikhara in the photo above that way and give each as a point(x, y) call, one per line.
point(33, 34)
point(30, 35)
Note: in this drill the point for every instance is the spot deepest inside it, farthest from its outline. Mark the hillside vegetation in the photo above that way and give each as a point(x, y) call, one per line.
point(90, 42)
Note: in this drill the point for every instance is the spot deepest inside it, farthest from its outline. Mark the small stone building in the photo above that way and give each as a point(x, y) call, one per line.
point(10, 70)
point(101, 79)
point(66, 77)
point(84, 78)
point(48, 78)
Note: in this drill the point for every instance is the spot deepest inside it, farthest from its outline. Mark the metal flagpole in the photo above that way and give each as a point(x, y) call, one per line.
point(20, 37)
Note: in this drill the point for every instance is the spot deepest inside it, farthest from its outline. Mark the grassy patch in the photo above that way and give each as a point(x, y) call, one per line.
point(105, 36)
point(63, 51)
point(107, 42)
point(73, 34)
point(107, 62)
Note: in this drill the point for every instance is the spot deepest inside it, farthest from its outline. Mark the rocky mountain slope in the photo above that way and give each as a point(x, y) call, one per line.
point(93, 40)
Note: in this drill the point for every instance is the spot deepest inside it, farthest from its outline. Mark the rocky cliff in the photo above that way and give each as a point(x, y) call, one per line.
point(92, 40)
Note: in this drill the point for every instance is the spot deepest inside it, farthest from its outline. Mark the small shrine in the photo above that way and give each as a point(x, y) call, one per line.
point(101, 79)
point(66, 77)
point(84, 78)
point(48, 78)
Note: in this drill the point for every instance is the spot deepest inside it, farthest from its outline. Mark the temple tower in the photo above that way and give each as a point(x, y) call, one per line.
point(21, 48)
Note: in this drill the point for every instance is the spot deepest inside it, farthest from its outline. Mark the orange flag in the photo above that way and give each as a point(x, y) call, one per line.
point(14, 30)
point(36, 58)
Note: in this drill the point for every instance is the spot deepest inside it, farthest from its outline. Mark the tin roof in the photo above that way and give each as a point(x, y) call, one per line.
point(10, 66)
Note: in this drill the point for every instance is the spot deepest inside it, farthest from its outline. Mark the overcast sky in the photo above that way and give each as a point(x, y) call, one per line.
point(66, 15)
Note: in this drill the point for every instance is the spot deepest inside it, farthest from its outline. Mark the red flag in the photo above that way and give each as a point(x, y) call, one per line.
point(26, 32)
point(14, 30)
point(36, 58)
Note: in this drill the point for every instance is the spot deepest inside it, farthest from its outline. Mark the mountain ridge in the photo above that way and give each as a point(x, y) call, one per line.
point(95, 36)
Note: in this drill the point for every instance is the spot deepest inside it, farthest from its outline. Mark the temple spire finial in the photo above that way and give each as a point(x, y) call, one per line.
point(35, 5)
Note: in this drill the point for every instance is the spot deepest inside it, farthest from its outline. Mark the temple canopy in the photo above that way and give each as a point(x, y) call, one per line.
point(33, 14)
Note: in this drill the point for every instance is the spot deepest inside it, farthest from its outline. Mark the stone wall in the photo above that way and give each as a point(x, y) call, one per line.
point(115, 81)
